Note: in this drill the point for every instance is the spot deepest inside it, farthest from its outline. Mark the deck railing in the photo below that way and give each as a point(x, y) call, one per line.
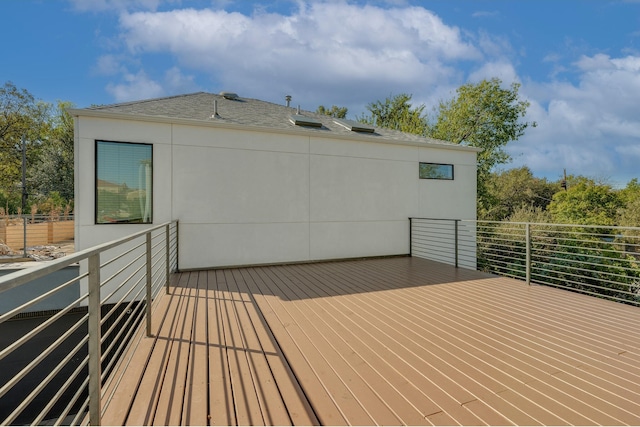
point(59, 365)
point(602, 261)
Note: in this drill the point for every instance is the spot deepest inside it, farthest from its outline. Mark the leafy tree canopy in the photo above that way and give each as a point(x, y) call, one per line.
point(396, 113)
point(334, 111)
point(486, 116)
point(21, 115)
point(586, 202)
point(629, 215)
point(516, 189)
point(483, 115)
point(53, 170)
point(48, 134)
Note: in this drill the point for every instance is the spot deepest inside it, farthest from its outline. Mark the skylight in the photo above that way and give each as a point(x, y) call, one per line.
point(300, 120)
point(354, 126)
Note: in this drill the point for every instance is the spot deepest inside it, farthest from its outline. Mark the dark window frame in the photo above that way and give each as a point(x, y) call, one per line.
point(96, 218)
point(448, 177)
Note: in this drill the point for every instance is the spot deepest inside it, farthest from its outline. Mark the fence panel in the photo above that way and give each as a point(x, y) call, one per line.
point(39, 230)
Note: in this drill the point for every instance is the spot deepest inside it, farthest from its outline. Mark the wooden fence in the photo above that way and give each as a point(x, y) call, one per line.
point(40, 233)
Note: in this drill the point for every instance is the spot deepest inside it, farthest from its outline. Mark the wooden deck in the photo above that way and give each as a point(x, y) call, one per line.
point(386, 341)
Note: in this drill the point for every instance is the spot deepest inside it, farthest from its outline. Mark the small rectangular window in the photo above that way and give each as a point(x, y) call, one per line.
point(124, 184)
point(436, 171)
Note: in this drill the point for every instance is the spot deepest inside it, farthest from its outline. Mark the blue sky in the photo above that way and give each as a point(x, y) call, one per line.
point(578, 61)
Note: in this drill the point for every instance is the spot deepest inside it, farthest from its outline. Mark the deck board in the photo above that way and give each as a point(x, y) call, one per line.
point(171, 394)
point(145, 399)
point(196, 385)
point(324, 410)
point(221, 405)
point(381, 341)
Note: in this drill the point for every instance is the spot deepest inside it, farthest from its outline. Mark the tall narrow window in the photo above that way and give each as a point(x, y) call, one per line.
point(436, 171)
point(124, 184)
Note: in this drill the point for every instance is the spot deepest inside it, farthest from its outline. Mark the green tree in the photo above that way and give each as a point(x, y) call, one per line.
point(334, 111)
point(486, 116)
point(515, 189)
point(396, 113)
point(21, 116)
point(629, 214)
point(9, 203)
point(586, 202)
point(53, 170)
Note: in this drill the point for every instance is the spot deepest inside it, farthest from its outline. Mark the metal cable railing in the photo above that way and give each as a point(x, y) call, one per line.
point(57, 367)
point(602, 261)
point(448, 241)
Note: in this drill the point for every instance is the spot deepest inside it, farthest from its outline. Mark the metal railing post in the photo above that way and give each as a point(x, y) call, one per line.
point(410, 237)
point(528, 252)
point(24, 235)
point(167, 238)
point(95, 368)
point(456, 221)
point(177, 247)
point(148, 303)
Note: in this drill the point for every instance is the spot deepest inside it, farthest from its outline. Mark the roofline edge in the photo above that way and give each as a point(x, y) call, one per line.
point(83, 112)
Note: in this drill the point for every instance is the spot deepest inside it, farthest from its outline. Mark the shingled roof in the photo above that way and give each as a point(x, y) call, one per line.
point(244, 112)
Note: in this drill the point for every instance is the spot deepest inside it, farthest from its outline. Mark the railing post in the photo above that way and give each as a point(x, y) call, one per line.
point(148, 304)
point(528, 252)
point(456, 221)
point(24, 235)
point(177, 247)
point(167, 238)
point(410, 236)
point(95, 368)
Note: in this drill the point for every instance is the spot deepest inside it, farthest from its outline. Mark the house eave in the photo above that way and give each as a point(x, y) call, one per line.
point(214, 123)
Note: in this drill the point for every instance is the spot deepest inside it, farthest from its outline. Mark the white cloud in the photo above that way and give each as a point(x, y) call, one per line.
point(592, 127)
point(135, 86)
point(501, 69)
point(349, 55)
point(177, 82)
point(360, 53)
point(107, 65)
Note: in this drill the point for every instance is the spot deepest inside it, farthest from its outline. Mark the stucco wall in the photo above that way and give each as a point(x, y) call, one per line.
point(245, 197)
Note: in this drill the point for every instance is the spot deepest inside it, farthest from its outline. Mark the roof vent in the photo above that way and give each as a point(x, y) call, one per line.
point(354, 126)
point(229, 95)
point(300, 120)
point(288, 99)
point(215, 114)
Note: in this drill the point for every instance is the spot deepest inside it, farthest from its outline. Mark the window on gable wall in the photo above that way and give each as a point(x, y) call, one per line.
point(436, 171)
point(124, 183)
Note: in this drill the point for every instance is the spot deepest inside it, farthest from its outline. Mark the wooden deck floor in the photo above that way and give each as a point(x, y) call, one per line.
point(387, 341)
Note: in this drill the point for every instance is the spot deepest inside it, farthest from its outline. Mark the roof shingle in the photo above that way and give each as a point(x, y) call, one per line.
point(243, 111)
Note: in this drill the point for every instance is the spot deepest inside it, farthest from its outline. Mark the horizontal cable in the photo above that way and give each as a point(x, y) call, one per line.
point(16, 378)
point(27, 400)
point(44, 296)
point(12, 347)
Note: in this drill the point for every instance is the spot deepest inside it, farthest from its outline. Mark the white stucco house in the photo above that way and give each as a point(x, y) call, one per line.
point(252, 182)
